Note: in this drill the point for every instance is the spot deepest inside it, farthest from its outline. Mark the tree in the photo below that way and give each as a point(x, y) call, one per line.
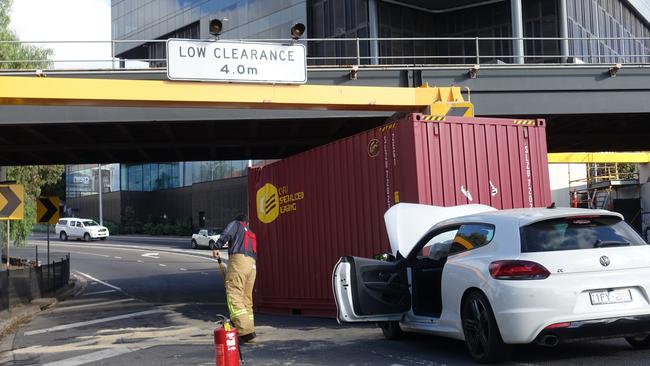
point(23, 56)
point(32, 177)
point(16, 55)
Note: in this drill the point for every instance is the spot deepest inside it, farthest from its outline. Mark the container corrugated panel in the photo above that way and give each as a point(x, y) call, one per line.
point(310, 209)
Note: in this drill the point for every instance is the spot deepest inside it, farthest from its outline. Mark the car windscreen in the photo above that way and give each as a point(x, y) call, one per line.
point(90, 223)
point(215, 231)
point(574, 233)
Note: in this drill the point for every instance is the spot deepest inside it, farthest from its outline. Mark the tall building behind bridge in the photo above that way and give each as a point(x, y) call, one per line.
point(586, 21)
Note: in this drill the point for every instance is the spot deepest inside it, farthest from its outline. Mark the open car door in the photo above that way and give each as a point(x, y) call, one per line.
point(369, 290)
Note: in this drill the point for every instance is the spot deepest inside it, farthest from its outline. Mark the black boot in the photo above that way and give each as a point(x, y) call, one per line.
point(247, 338)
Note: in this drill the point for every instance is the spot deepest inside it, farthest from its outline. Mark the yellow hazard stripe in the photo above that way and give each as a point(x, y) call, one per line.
point(524, 122)
point(432, 118)
point(641, 157)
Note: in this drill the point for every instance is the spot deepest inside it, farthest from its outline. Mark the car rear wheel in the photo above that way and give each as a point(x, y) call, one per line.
point(391, 330)
point(639, 342)
point(482, 335)
point(194, 246)
point(87, 237)
point(63, 236)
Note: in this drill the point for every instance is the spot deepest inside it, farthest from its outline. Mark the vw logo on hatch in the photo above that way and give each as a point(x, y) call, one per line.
point(604, 261)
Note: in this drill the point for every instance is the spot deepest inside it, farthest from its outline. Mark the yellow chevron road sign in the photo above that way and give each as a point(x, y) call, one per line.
point(47, 210)
point(12, 197)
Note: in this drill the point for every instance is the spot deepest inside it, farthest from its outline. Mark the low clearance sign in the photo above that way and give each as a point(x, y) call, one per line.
point(230, 61)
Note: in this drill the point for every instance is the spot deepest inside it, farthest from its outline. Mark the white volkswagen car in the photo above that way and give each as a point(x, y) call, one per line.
point(500, 278)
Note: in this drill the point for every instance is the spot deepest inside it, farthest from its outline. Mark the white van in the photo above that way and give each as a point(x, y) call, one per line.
point(85, 229)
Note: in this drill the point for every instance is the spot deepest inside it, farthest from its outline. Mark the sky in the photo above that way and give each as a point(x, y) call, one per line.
point(57, 20)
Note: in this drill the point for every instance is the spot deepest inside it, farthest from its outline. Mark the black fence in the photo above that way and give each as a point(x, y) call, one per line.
point(21, 285)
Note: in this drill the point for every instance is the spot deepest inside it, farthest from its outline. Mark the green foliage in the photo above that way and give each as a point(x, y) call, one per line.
point(113, 228)
point(22, 56)
point(130, 224)
point(32, 177)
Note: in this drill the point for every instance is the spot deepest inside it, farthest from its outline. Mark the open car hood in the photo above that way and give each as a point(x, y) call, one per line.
point(406, 223)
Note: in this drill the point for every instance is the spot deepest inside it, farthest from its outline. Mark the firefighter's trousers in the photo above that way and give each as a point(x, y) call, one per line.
point(240, 279)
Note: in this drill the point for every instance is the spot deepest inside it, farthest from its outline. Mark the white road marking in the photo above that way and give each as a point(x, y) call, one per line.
point(183, 269)
point(100, 281)
point(100, 355)
point(204, 273)
point(140, 261)
point(93, 304)
point(117, 257)
point(97, 255)
point(98, 292)
point(153, 255)
point(162, 265)
point(95, 321)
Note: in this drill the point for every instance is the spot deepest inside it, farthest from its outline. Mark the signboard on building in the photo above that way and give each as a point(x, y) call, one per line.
point(241, 62)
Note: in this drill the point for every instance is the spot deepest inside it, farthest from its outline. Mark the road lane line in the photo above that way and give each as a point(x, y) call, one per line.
point(93, 304)
point(98, 292)
point(140, 261)
point(162, 265)
point(100, 281)
point(183, 269)
point(117, 257)
point(95, 321)
point(100, 355)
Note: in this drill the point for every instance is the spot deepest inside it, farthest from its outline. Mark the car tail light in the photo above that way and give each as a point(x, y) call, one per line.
point(558, 325)
point(518, 270)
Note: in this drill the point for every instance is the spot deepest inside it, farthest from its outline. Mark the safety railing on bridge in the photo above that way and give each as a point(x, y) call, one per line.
point(371, 53)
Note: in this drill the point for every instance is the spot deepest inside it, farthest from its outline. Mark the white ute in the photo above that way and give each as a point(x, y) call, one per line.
point(71, 227)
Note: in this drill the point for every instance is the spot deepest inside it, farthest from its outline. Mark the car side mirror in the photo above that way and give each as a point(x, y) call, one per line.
point(385, 256)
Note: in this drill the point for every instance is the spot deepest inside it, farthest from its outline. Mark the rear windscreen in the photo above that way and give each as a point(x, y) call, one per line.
point(573, 233)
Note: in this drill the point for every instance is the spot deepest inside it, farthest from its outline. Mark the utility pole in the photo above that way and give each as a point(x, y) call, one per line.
point(101, 208)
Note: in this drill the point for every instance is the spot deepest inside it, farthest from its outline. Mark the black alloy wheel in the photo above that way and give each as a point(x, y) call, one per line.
point(193, 244)
point(391, 330)
point(63, 236)
point(640, 341)
point(482, 335)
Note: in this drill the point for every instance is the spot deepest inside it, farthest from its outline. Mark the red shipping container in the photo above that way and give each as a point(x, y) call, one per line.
point(310, 209)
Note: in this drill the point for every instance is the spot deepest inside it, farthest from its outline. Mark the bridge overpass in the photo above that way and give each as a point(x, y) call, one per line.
point(588, 107)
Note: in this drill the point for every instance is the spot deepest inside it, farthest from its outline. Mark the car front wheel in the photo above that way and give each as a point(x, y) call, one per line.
point(639, 342)
point(482, 335)
point(391, 330)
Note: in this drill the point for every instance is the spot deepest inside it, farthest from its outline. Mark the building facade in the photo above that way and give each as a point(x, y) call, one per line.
point(203, 193)
point(587, 22)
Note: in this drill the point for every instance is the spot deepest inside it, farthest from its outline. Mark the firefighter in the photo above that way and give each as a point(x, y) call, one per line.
point(240, 278)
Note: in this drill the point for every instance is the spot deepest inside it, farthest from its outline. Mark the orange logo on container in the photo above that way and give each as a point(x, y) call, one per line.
point(373, 148)
point(267, 201)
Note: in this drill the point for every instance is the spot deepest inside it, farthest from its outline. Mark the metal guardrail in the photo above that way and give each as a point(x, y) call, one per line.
point(22, 284)
point(346, 53)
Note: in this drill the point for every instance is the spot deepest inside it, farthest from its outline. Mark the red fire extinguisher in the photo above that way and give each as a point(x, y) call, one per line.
point(226, 345)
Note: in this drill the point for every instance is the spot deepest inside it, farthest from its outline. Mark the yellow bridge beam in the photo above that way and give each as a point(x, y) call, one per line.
point(155, 93)
point(604, 157)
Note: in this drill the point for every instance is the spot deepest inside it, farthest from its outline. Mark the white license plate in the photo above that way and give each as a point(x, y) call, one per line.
point(610, 297)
